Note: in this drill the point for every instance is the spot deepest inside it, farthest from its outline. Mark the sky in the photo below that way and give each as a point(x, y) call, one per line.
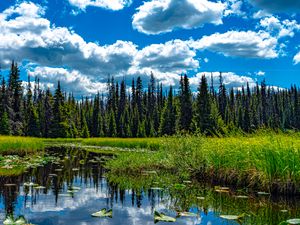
point(83, 42)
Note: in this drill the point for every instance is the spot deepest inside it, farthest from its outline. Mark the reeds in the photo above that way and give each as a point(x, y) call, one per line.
point(269, 162)
point(19, 145)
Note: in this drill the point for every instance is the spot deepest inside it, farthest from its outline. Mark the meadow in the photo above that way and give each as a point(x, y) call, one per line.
point(21, 146)
point(265, 161)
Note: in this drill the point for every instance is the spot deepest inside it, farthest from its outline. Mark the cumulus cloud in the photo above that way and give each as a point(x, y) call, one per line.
point(72, 81)
point(161, 16)
point(230, 79)
point(29, 36)
point(248, 44)
point(280, 28)
point(278, 5)
point(234, 7)
point(297, 58)
point(260, 73)
point(106, 4)
point(173, 56)
point(58, 53)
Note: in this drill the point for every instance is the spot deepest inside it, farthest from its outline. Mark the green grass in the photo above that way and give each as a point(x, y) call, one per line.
point(145, 143)
point(19, 145)
point(269, 162)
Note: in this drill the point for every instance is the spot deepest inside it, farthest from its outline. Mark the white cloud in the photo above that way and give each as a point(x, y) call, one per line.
point(234, 7)
point(261, 14)
point(278, 5)
point(72, 81)
point(260, 73)
point(161, 16)
point(58, 53)
point(173, 56)
point(247, 44)
point(31, 37)
point(297, 58)
point(106, 4)
point(230, 79)
point(280, 28)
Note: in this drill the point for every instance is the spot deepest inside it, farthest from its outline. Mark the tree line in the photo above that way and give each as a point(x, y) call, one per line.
point(144, 111)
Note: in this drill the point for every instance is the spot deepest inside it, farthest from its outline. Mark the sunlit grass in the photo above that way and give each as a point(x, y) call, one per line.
point(265, 161)
point(146, 143)
point(19, 145)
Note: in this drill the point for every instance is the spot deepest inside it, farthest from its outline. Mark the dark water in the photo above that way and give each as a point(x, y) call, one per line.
point(131, 198)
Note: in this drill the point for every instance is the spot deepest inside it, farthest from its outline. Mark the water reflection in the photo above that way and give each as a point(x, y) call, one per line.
point(75, 186)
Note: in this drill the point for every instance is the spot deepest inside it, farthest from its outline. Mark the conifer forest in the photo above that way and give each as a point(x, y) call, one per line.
point(149, 111)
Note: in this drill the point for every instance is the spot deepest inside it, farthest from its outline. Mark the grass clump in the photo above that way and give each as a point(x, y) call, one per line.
point(269, 162)
point(144, 143)
point(19, 145)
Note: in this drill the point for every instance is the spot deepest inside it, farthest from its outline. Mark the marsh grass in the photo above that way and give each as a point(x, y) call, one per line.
point(19, 145)
point(269, 162)
point(145, 143)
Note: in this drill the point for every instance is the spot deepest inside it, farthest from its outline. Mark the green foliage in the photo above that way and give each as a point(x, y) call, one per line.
point(145, 112)
point(262, 161)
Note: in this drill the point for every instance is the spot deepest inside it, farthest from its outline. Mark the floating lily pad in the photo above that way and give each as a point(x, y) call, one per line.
point(75, 169)
point(10, 185)
point(293, 221)
point(263, 193)
point(11, 221)
point(103, 213)
point(39, 187)
point(200, 198)
point(156, 188)
point(64, 195)
point(52, 175)
point(222, 191)
point(242, 196)
point(162, 217)
point(284, 211)
point(187, 214)
point(232, 217)
point(31, 184)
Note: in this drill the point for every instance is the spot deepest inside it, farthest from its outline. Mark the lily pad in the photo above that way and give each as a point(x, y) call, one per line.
point(39, 187)
point(103, 213)
point(11, 221)
point(293, 221)
point(263, 193)
point(29, 184)
point(162, 217)
point(187, 214)
point(232, 217)
point(242, 196)
point(201, 198)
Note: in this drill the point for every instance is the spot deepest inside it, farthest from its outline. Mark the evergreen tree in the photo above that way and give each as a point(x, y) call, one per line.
point(168, 117)
point(203, 109)
point(186, 111)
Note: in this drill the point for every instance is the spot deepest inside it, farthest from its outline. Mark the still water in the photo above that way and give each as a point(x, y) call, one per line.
point(76, 185)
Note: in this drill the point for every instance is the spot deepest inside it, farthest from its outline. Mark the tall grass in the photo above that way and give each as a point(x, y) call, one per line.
point(269, 162)
point(19, 145)
point(145, 143)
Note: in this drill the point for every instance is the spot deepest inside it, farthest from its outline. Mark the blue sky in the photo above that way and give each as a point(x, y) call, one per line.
point(80, 42)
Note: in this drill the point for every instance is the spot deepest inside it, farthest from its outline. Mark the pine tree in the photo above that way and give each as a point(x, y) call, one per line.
point(186, 111)
point(168, 117)
point(203, 109)
point(5, 124)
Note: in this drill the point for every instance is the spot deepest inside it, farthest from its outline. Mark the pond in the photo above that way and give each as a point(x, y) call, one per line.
point(75, 185)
